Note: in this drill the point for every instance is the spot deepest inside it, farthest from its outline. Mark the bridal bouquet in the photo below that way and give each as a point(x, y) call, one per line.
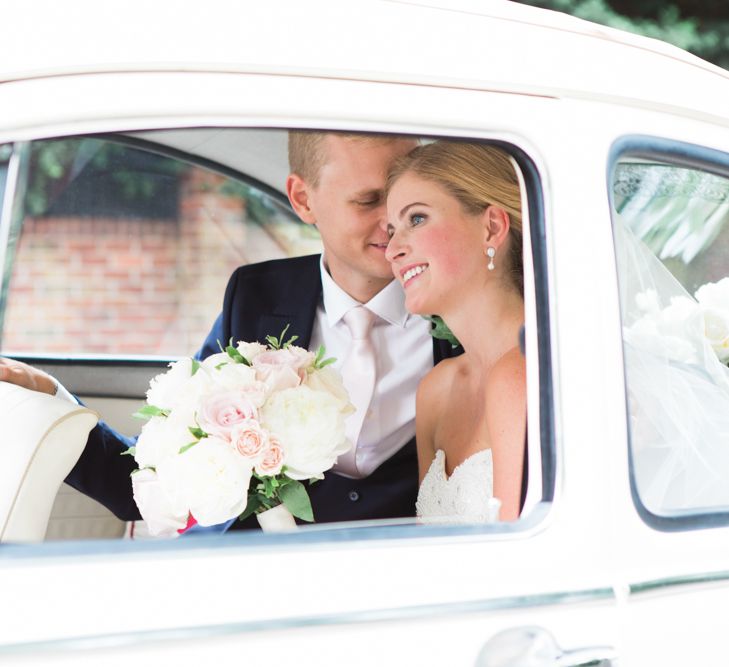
point(237, 433)
point(683, 324)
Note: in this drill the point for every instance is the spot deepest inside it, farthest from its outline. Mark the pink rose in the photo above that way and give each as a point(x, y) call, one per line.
point(279, 369)
point(272, 460)
point(249, 438)
point(220, 412)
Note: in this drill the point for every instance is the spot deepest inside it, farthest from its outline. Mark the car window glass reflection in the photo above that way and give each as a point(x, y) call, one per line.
point(672, 237)
point(120, 249)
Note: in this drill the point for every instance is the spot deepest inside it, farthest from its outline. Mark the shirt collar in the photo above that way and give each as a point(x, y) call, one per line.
point(388, 303)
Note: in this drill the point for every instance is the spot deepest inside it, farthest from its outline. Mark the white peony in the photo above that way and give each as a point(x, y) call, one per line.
point(162, 517)
point(160, 438)
point(329, 380)
point(164, 389)
point(210, 478)
point(309, 425)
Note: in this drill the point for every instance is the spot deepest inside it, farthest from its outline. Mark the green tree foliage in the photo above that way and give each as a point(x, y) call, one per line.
point(704, 32)
point(55, 165)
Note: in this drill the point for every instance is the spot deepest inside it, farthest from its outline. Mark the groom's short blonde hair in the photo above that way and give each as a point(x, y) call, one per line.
point(307, 150)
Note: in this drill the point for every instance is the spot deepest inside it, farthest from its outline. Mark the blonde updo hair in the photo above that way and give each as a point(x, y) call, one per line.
point(476, 175)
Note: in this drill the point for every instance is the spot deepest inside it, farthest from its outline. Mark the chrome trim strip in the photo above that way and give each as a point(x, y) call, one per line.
point(336, 535)
point(127, 639)
point(696, 579)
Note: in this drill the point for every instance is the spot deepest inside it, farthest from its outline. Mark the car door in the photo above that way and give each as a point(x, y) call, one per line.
point(670, 214)
point(118, 243)
point(423, 594)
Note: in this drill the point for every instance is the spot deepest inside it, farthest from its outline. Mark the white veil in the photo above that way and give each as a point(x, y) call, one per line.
point(678, 390)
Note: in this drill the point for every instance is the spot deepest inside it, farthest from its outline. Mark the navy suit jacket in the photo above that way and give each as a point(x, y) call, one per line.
point(261, 299)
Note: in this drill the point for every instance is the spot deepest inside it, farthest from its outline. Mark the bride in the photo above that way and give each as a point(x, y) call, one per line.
point(454, 223)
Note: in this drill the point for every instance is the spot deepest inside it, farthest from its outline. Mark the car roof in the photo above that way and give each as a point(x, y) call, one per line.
point(481, 44)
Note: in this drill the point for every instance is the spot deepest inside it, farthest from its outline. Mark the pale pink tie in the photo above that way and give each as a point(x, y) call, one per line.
point(358, 374)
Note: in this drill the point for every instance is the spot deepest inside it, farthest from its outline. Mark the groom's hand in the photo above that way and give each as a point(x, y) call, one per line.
point(16, 372)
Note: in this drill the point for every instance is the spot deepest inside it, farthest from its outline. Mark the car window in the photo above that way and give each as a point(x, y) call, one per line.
point(125, 251)
point(125, 245)
point(671, 222)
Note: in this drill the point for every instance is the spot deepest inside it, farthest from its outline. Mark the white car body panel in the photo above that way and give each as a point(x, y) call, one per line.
point(577, 566)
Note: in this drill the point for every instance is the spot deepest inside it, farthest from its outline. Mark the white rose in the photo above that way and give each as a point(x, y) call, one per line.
point(223, 373)
point(716, 329)
point(161, 437)
point(278, 369)
point(310, 427)
point(211, 479)
point(329, 380)
point(155, 506)
point(714, 294)
point(250, 350)
point(675, 331)
point(303, 359)
point(714, 300)
point(240, 377)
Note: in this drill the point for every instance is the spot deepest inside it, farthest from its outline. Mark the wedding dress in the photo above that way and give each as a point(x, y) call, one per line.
point(464, 497)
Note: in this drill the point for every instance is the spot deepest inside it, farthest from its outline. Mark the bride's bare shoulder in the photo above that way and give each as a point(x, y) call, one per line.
point(438, 380)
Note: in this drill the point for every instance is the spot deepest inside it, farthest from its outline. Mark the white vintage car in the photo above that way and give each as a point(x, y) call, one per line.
point(137, 138)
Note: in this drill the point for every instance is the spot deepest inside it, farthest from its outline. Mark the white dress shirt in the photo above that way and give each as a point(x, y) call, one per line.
point(404, 351)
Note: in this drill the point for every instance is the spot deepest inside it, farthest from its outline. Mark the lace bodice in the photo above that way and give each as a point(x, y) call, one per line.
point(464, 497)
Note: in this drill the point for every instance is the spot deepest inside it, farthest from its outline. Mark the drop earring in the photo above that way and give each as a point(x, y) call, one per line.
point(491, 253)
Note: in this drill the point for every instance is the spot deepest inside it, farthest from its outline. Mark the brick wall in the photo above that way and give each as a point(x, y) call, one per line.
point(121, 286)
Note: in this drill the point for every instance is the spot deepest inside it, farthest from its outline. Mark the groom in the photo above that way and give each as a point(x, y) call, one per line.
point(336, 183)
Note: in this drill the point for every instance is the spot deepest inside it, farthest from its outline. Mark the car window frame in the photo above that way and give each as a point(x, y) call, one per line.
point(691, 156)
point(397, 529)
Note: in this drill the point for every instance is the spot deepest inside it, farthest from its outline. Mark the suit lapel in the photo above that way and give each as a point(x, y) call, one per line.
point(296, 304)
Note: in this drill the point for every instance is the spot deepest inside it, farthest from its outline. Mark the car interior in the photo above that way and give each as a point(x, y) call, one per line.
point(119, 241)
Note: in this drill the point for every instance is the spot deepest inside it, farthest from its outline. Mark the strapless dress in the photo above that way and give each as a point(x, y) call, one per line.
point(464, 497)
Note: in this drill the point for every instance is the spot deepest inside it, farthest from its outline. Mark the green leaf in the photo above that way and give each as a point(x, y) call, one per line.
point(236, 356)
point(251, 507)
point(320, 361)
point(283, 333)
point(290, 341)
point(149, 411)
point(195, 366)
point(131, 451)
point(296, 499)
point(278, 343)
point(440, 330)
point(197, 432)
point(186, 447)
point(319, 355)
point(152, 468)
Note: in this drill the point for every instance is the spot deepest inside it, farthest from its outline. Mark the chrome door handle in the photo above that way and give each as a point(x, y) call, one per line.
point(533, 646)
point(593, 656)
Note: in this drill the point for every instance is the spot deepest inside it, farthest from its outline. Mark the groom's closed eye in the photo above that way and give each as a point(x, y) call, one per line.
point(368, 199)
